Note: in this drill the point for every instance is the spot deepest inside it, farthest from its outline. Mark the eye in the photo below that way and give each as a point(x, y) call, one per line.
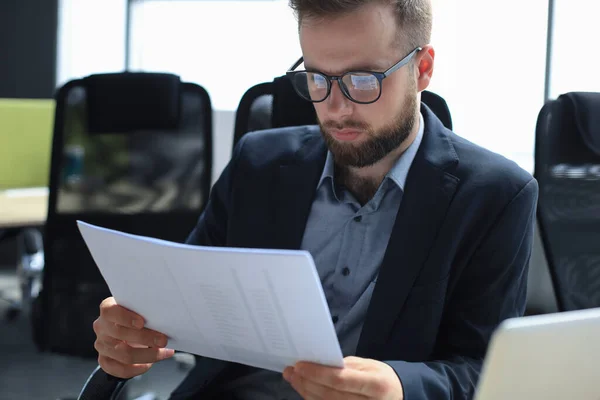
point(364, 82)
point(319, 81)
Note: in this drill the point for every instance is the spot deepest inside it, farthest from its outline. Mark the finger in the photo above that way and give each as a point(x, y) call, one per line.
point(126, 354)
point(146, 337)
point(109, 341)
point(120, 370)
point(355, 363)
point(342, 379)
point(304, 389)
point(311, 390)
point(106, 341)
point(111, 311)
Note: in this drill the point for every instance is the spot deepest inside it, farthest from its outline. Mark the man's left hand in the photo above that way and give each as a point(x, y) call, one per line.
point(359, 379)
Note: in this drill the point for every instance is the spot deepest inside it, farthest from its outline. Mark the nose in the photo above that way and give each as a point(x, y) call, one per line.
point(337, 103)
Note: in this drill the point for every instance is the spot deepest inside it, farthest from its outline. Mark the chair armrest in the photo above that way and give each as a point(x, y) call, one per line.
point(101, 386)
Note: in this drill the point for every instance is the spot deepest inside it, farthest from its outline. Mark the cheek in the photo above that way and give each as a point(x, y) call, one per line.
point(392, 96)
point(391, 105)
point(321, 110)
point(395, 90)
point(373, 114)
point(379, 114)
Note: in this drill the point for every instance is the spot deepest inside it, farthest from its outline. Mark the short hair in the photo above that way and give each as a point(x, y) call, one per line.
point(414, 17)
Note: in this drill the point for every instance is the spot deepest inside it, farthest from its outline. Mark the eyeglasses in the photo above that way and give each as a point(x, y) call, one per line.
point(363, 87)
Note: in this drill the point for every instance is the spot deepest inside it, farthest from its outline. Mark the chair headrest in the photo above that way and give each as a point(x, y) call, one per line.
point(586, 112)
point(125, 102)
point(289, 109)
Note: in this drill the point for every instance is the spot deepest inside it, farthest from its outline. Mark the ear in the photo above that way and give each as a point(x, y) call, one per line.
point(424, 71)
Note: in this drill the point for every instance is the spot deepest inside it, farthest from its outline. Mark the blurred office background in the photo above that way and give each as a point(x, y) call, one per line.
point(497, 64)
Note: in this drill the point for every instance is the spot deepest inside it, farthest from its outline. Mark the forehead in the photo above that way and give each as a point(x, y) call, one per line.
point(364, 38)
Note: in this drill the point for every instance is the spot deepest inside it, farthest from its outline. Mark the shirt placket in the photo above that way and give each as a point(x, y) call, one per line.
point(348, 264)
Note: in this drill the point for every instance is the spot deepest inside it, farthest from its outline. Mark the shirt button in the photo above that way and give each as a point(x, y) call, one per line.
point(334, 319)
point(358, 218)
point(346, 271)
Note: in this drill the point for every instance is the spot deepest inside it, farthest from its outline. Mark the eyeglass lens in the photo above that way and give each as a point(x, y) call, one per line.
point(360, 86)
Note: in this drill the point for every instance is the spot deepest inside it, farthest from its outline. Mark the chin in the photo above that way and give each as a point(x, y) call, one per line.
point(351, 155)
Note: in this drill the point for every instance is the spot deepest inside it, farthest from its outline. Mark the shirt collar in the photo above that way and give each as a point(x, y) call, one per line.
point(399, 171)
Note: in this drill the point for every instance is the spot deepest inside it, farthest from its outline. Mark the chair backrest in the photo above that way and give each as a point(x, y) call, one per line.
point(276, 104)
point(567, 167)
point(132, 152)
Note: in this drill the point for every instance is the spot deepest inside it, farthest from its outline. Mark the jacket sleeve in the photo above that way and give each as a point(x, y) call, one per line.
point(492, 288)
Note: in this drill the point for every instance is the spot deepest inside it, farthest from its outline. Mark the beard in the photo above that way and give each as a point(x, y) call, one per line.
point(378, 143)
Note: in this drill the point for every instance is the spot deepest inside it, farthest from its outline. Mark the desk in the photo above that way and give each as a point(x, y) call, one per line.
point(23, 207)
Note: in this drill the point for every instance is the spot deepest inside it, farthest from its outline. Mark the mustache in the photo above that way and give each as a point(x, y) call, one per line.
point(348, 124)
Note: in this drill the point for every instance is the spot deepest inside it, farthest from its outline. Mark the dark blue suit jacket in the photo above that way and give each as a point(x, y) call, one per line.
point(455, 266)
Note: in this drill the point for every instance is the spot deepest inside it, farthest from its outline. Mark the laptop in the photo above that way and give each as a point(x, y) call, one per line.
point(552, 356)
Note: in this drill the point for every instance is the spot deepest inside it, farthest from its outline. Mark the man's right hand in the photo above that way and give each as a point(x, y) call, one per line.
point(125, 348)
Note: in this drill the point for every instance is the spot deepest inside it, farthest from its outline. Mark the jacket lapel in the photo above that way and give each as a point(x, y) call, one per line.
point(428, 192)
point(295, 190)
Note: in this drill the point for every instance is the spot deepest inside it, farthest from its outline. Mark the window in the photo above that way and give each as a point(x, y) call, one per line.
point(490, 68)
point(575, 56)
point(225, 46)
point(91, 38)
point(490, 62)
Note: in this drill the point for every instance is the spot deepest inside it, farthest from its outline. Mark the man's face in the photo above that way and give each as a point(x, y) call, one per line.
point(359, 135)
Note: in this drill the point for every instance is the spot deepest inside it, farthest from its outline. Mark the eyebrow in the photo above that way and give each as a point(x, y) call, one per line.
point(357, 67)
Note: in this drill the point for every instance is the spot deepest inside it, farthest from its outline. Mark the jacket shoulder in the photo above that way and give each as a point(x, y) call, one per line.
point(275, 146)
point(482, 169)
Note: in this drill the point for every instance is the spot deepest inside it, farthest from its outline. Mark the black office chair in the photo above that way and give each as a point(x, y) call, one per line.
point(276, 105)
point(567, 167)
point(132, 152)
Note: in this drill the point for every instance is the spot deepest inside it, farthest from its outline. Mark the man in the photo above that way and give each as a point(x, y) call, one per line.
point(421, 239)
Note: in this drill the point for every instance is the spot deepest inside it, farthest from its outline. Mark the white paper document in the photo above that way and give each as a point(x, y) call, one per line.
point(263, 308)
